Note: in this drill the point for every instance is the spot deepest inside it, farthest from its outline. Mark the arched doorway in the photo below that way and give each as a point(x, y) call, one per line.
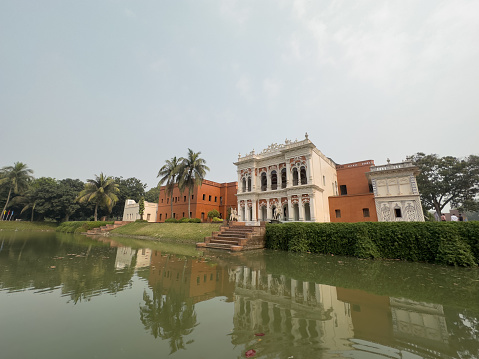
point(264, 213)
point(307, 212)
point(296, 212)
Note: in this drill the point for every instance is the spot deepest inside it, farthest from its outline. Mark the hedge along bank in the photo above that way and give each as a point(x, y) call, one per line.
point(451, 243)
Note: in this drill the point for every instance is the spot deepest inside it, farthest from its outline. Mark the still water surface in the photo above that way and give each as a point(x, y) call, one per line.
point(65, 296)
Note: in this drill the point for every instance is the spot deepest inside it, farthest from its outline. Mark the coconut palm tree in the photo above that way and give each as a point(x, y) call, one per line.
point(102, 191)
point(191, 173)
point(169, 176)
point(16, 178)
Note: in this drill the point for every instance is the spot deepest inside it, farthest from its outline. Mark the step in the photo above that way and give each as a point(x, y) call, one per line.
point(216, 241)
point(228, 235)
point(218, 246)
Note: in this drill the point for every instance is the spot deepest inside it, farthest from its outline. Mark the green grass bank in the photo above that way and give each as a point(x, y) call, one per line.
point(183, 232)
point(27, 226)
point(80, 226)
point(450, 243)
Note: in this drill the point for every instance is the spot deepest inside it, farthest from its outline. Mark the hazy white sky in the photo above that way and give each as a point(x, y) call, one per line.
point(120, 86)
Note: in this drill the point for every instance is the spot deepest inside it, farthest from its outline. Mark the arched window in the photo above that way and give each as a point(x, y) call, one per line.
point(283, 178)
point(264, 181)
point(304, 180)
point(249, 184)
point(295, 176)
point(244, 186)
point(274, 180)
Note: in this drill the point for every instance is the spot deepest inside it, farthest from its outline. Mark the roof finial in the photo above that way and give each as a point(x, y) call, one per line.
point(389, 161)
point(306, 135)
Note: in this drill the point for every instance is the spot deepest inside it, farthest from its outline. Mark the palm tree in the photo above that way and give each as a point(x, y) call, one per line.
point(101, 191)
point(191, 173)
point(169, 175)
point(17, 178)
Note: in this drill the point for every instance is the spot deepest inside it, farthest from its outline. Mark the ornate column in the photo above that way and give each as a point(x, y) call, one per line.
point(254, 216)
point(269, 212)
point(290, 209)
point(312, 207)
point(301, 209)
point(289, 175)
point(309, 170)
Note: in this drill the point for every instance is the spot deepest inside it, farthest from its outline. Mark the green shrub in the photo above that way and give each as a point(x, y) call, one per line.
point(195, 220)
point(171, 220)
point(452, 243)
point(213, 213)
point(184, 220)
point(80, 226)
point(216, 219)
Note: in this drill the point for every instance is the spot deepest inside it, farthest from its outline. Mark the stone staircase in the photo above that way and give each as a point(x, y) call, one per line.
point(236, 237)
point(107, 228)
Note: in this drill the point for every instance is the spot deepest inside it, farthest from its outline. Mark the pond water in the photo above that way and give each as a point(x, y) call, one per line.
point(65, 296)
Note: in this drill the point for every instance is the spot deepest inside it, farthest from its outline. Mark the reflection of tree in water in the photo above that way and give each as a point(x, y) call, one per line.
point(168, 316)
point(82, 268)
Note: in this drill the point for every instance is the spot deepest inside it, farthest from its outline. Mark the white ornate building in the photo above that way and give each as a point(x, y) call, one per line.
point(395, 192)
point(132, 209)
point(290, 181)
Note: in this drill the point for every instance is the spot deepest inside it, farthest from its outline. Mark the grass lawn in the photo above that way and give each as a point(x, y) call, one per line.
point(184, 232)
point(27, 226)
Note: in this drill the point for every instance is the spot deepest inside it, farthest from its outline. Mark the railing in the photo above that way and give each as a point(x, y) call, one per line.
point(391, 166)
point(355, 164)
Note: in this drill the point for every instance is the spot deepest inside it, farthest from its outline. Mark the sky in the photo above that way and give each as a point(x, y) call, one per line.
point(118, 86)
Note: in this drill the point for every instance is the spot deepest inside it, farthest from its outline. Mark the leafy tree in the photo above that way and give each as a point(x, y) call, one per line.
point(102, 191)
point(141, 207)
point(16, 178)
point(191, 173)
point(153, 195)
point(448, 180)
point(130, 188)
point(65, 204)
point(169, 175)
point(213, 213)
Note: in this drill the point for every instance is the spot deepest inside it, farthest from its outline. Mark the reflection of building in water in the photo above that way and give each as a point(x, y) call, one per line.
point(124, 257)
point(191, 277)
point(418, 321)
point(410, 325)
point(143, 257)
point(308, 312)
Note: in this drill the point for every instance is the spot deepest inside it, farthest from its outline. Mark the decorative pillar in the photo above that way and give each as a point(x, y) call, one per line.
point(301, 209)
point(312, 207)
point(290, 209)
point(309, 170)
point(254, 216)
point(269, 212)
point(289, 175)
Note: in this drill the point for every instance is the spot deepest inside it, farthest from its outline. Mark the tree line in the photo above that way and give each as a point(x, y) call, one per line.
point(36, 199)
point(28, 198)
point(442, 181)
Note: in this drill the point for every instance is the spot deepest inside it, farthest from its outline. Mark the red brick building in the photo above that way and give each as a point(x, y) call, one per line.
point(355, 199)
point(210, 195)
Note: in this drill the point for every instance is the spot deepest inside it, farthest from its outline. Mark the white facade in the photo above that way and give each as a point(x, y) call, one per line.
point(395, 192)
point(131, 211)
point(290, 181)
